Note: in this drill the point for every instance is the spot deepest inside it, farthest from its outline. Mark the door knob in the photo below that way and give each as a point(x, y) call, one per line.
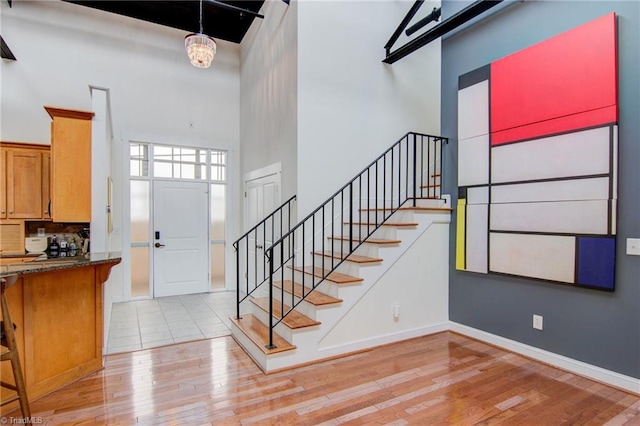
point(158, 245)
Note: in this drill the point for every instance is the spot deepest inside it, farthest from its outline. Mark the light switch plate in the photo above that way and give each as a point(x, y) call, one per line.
point(633, 246)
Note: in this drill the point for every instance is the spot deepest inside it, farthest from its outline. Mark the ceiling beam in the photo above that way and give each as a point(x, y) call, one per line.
point(6, 52)
point(463, 16)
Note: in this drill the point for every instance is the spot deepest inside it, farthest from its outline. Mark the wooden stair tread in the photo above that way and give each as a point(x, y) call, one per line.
point(293, 320)
point(378, 241)
point(335, 277)
point(398, 224)
point(418, 208)
point(258, 333)
point(315, 297)
point(356, 258)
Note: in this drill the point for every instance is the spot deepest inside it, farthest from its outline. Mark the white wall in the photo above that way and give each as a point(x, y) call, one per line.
point(155, 92)
point(63, 48)
point(268, 93)
point(351, 106)
point(418, 283)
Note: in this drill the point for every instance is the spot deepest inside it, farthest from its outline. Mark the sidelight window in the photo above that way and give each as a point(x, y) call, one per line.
point(152, 161)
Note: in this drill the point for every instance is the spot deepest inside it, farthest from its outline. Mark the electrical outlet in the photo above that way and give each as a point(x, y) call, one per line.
point(537, 322)
point(633, 246)
point(396, 311)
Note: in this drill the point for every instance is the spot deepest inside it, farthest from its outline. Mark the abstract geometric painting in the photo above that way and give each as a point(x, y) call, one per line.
point(537, 160)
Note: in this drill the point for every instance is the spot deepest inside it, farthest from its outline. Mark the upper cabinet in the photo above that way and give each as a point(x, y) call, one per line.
point(24, 181)
point(70, 165)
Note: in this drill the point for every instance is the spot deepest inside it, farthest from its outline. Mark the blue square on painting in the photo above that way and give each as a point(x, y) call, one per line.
point(596, 262)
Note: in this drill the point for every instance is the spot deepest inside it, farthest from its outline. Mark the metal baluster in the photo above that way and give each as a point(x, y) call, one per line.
point(415, 165)
point(391, 187)
point(270, 345)
point(351, 217)
point(237, 281)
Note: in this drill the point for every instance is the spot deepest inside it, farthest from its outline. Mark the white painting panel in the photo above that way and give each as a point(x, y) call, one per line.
point(473, 110)
point(473, 161)
point(548, 257)
point(562, 190)
point(478, 195)
point(572, 154)
point(476, 244)
point(571, 217)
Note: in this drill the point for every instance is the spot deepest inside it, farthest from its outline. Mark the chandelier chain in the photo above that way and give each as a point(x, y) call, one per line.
point(201, 31)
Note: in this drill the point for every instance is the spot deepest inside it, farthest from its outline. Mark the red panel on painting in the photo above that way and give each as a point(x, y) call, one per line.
point(569, 80)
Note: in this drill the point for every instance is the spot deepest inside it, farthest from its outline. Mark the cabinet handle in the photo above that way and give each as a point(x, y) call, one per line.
point(48, 212)
point(10, 211)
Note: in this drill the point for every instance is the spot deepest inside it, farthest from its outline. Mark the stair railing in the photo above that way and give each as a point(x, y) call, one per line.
point(251, 263)
point(409, 170)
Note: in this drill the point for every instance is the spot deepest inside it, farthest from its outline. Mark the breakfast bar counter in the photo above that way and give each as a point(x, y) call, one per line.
point(57, 307)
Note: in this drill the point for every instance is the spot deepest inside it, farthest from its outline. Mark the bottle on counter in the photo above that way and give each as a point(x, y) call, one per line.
point(54, 246)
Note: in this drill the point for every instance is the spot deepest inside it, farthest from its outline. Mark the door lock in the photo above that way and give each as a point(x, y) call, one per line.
point(158, 245)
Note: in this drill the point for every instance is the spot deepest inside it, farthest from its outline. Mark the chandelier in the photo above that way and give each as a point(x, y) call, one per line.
point(200, 47)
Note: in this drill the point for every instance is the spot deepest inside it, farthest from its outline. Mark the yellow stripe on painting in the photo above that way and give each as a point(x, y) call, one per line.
point(461, 213)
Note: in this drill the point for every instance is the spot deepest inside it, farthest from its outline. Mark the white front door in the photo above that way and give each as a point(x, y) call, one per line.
point(263, 197)
point(180, 238)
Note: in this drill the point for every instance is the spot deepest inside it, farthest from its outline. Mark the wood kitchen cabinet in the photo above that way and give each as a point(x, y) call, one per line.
point(46, 185)
point(11, 236)
point(3, 184)
point(70, 164)
point(24, 183)
point(24, 191)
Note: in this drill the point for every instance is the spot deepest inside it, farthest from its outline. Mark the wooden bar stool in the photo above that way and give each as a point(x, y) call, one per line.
point(8, 340)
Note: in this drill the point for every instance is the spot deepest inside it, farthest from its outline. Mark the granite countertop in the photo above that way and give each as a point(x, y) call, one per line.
point(43, 264)
point(19, 255)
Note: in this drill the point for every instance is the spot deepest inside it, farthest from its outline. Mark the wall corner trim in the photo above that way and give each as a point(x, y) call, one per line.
point(621, 381)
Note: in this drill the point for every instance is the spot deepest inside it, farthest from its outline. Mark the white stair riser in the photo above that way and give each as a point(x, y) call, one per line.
point(360, 232)
point(400, 216)
point(347, 267)
point(428, 203)
point(342, 247)
point(304, 307)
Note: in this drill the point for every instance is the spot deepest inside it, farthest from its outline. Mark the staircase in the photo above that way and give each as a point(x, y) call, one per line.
point(320, 287)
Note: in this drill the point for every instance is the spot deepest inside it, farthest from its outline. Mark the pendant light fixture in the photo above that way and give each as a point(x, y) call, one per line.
point(200, 47)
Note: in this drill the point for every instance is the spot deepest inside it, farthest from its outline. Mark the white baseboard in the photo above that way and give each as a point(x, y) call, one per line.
point(627, 383)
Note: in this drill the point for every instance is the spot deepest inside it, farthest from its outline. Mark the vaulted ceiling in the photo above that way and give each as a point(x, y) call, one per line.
point(222, 19)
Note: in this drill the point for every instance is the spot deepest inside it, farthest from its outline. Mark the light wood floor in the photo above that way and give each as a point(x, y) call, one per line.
point(436, 380)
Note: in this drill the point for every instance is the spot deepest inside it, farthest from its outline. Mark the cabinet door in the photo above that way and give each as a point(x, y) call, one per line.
point(46, 185)
point(71, 170)
point(3, 184)
point(12, 240)
point(24, 184)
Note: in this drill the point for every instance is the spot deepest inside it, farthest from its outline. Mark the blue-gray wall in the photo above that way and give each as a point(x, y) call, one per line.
point(595, 327)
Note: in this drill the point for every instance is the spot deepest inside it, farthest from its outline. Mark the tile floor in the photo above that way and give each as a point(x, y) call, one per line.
point(151, 323)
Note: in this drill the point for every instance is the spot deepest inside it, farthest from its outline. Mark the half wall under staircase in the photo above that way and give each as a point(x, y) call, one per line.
point(367, 267)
